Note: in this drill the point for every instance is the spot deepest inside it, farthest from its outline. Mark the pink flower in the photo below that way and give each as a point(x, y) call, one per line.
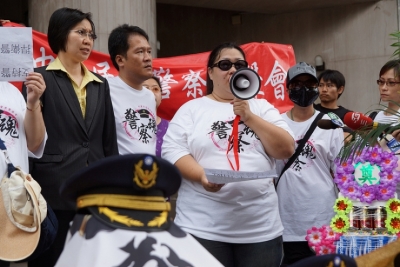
point(314, 236)
point(330, 235)
point(325, 249)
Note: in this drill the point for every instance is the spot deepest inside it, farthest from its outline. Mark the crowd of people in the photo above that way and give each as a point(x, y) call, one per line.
point(68, 118)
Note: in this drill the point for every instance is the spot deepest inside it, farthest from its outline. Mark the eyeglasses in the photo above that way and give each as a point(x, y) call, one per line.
point(298, 84)
point(84, 34)
point(227, 65)
point(328, 85)
point(388, 83)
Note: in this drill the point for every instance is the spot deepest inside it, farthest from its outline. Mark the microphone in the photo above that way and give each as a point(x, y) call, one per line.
point(334, 123)
point(357, 120)
point(327, 124)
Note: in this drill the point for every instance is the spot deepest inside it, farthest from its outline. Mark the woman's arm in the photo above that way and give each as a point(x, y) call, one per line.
point(33, 122)
point(277, 142)
point(192, 171)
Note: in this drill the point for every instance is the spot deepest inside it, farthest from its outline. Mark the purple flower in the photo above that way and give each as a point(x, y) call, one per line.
point(389, 178)
point(389, 162)
point(342, 179)
point(367, 193)
point(385, 191)
point(374, 156)
point(351, 190)
point(346, 166)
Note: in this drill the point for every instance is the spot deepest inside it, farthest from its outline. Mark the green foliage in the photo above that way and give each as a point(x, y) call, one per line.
point(396, 36)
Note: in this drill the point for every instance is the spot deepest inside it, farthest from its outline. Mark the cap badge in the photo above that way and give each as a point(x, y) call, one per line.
point(145, 178)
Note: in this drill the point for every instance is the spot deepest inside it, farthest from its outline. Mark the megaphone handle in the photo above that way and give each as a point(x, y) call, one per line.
point(235, 140)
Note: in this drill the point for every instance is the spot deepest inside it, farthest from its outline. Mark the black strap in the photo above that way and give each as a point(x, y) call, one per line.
point(300, 146)
point(10, 166)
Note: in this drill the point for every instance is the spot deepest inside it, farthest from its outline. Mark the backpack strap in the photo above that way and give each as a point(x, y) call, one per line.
point(300, 146)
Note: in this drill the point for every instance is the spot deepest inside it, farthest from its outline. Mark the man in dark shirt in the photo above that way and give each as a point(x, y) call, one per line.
point(331, 87)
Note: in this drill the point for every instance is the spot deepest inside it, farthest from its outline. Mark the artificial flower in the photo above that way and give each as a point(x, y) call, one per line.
point(325, 249)
point(393, 206)
point(375, 155)
point(350, 190)
point(371, 177)
point(343, 205)
point(330, 235)
point(389, 178)
point(314, 236)
point(385, 192)
point(340, 223)
point(389, 162)
point(392, 223)
point(343, 178)
point(367, 194)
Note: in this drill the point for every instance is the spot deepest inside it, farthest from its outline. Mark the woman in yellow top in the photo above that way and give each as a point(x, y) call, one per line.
point(78, 115)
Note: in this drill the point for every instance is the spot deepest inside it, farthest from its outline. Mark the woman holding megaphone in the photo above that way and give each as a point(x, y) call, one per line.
point(225, 148)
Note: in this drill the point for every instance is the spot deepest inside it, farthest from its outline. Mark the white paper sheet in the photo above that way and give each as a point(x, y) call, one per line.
point(228, 176)
point(16, 53)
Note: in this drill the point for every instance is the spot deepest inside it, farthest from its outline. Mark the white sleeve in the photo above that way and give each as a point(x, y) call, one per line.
point(39, 152)
point(337, 141)
point(175, 144)
point(271, 114)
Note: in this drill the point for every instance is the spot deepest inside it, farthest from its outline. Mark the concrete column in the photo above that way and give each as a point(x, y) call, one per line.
point(106, 15)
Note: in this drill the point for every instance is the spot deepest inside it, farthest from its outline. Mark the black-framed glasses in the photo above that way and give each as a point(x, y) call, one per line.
point(225, 64)
point(388, 83)
point(84, 34)
point(298, 84)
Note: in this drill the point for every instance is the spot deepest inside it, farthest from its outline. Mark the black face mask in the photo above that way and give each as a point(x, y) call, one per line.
point(303, 96)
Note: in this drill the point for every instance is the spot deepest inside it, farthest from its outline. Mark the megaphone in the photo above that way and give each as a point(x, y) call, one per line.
point(245, 83)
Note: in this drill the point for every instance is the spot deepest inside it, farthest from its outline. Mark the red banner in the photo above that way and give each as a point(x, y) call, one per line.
point(184, 77)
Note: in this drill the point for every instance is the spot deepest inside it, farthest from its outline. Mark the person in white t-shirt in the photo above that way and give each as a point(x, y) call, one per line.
point(22, 127)
point(389, 86)
point(134, 106)
point(306, 189)
point(237, 222)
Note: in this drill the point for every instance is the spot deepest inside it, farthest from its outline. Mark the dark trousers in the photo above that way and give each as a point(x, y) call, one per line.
point(264, 254)
point(50, 256)
point(295, 251)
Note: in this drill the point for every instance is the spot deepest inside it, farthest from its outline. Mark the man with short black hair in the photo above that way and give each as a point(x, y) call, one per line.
point(331, 87)
point(134, 106)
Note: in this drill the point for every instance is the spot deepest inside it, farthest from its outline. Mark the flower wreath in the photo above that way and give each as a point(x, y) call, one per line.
point(369, 176)
point(322, 240)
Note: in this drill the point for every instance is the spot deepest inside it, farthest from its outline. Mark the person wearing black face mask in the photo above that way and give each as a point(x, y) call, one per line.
point(306, 190)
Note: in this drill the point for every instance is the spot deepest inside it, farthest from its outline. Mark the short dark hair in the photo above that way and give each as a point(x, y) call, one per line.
point(214, 55)
point(157, 80)
point(118, 40)
point(391, 64)
point(335, 77)
point(61, 22)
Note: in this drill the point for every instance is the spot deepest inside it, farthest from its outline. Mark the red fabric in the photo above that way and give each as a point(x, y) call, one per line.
point(184, 77)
